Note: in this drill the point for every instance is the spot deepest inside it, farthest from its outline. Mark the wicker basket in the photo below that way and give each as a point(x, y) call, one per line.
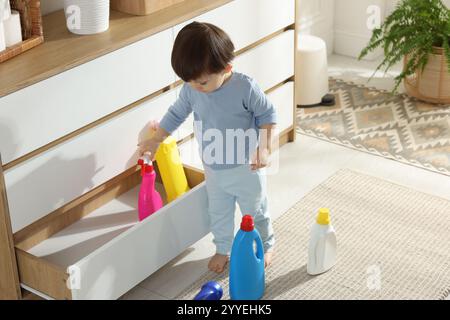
point(433, 84)
point(31, 23)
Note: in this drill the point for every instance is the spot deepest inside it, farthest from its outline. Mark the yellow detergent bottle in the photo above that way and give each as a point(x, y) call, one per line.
point(171, 169)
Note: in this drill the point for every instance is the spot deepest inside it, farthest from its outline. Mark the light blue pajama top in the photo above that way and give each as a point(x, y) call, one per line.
point(239, 106)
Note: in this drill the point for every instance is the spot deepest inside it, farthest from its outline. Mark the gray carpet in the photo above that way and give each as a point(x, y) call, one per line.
point(393, 243)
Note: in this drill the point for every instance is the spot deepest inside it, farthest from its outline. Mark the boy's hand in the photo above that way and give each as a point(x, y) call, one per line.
point(152, 144)
point(261, 158)
point(149, 145)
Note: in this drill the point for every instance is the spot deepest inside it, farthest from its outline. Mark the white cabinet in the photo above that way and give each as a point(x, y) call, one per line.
point(283, 100)
point(50, 109)
point(45, 183)
point(248, 21)
point(108, 250)
point(271, 62)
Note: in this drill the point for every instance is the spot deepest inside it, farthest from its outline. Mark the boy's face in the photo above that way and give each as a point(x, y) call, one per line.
point(209, 82)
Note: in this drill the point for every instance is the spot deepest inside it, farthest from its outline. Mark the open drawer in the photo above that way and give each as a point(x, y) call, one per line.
point(107, 251)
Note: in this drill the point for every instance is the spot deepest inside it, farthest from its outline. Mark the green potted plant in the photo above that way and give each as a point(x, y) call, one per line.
point(417, 32)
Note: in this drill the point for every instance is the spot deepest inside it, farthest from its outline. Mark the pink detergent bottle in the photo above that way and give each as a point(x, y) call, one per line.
point(149, 199)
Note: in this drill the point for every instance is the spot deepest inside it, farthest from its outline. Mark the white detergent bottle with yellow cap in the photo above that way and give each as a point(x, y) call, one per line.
point(322, 245)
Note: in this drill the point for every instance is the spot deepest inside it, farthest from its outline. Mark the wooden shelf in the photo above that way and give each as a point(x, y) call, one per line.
point(63, 50)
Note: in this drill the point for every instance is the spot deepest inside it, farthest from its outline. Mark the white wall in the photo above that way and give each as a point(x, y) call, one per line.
point(48, 6)
point(390, 6)
point(351, 33)
point(316, 17)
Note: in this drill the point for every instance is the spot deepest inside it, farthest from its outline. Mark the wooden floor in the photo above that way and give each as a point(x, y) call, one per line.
point(27, 295)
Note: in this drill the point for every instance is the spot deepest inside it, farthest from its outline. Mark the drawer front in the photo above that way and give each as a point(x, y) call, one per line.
point(43, 112)
point(128, 259)
point(283, 100)
point(45, 183)
point(251, 20)
point(271, 62)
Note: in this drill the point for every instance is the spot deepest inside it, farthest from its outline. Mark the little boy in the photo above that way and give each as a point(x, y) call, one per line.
point(225, 104)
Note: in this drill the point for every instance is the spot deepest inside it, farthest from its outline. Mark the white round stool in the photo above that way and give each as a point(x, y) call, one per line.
point(312, 72)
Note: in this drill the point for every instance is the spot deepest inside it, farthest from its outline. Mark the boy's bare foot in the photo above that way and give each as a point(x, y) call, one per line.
point(218, 263)
point(268, 256)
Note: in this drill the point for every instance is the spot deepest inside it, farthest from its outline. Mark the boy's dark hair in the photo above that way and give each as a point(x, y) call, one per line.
point(201, 48)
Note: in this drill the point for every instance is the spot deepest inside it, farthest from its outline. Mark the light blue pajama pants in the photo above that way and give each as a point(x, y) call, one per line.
point(248, 189)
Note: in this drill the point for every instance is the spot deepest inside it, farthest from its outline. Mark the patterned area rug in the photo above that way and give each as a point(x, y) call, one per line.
point(393, 243)
point(393, 126)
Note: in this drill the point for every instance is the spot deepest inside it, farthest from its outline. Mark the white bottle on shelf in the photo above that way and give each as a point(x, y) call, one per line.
point(13, 29)
point(322, 245)
point(5, 10)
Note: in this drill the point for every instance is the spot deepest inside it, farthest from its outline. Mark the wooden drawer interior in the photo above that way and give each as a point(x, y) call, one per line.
point(46, 249)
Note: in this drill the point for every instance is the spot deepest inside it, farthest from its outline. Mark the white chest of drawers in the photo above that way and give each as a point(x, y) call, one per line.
point(78, 223)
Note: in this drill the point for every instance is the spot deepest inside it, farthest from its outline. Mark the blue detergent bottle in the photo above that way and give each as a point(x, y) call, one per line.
point(247, 281)
point(210, 291)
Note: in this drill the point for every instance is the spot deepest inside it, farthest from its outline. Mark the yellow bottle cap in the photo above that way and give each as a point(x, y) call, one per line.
point(323, 217)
